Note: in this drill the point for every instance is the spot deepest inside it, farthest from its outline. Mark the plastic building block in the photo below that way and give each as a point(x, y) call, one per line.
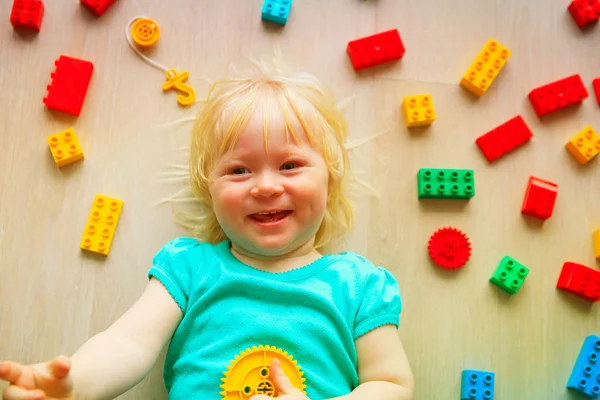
point(449, 248)
point(101, 224)
point(376, 49)
point(585, 11)
point(65, 147)
point(504, 138)
point(510, 275)
point(453, 184)
point(485, 68)
point(539, 199)
point(596, 84)
point(585, 376)
point(27, 14)
point(580, 280)
point(596, 239)
point(276, 11)
point(477, 385)
point(69, 85)
point(585, 145)
point(97, 7)
point(250, 373)
point(145, 32)
point(418, 110)
point(558, 95)
point(175, 81)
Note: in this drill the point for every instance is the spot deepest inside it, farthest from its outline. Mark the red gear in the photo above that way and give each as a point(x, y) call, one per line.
point(449, 248)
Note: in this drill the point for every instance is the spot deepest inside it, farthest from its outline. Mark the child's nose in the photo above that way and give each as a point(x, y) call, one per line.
point(266, 186)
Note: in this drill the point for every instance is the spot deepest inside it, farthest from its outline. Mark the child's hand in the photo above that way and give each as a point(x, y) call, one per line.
point(49, 380)
point(283, 385)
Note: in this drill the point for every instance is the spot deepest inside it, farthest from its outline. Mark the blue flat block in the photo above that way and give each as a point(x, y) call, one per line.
point(276, 11)
point(585, 377)
point(477, 385)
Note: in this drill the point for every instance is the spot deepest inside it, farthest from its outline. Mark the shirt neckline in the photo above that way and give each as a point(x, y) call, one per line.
point(224, 250)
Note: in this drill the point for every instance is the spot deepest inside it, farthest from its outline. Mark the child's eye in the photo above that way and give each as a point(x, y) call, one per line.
point(290, 165)
point(239, 171)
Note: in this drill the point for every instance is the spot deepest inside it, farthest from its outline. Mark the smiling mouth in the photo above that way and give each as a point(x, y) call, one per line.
point(272, 216)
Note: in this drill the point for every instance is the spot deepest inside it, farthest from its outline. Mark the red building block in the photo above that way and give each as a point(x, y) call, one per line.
point(27, 14)
point(504, 138)
point(580, 281)
point(585, 11)
point(556, 95)
point(375, 49)
point(69, 85)
point(98, 7)
point(539, 198)
point(596, 83)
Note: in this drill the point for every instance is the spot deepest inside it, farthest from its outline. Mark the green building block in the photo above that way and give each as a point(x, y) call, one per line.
point(454, 184)
point(510, 275)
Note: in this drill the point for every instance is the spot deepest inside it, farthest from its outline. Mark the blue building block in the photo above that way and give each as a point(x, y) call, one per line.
point(477, 385)
point(585, 377)
point(276, 11)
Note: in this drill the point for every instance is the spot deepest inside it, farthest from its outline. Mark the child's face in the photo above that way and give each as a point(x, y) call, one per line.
point(270, 204)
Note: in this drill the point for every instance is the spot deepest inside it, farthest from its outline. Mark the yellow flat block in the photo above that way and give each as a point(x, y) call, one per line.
point(597, 243)
point(65, 147)
point(418, 110)
point(585, 145)
point(101, 224)
point(485, 68)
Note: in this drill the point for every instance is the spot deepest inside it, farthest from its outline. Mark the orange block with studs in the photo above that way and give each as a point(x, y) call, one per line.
point(585, 145)
point(101, 224)
point(596, 237)
point(485, 68)
point(418, 110)
point(65, 147)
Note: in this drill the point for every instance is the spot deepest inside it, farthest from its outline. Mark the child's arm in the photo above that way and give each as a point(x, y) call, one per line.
point(383, 369)
point(113, 361)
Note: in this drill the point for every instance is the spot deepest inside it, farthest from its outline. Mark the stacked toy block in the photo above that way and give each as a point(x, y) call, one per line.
point(101, 224)
point(585, 12)
point(376, 49)
point(454, 184)
point(510, 275)
point(558, 95)
point(27, 14)
point(65, 147)
point(585, 145)
point(504, 138)
point(596, 84)
point(485, 68)
point(98, 7)
point(596, 239)
point(69, 85)
point(477, 385)
point(276, 11)
point(418, 110)
point(539, 199)
point(585, 376)
point(580, 280)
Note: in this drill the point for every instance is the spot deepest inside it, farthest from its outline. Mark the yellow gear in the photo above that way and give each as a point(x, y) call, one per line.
point(250, 374)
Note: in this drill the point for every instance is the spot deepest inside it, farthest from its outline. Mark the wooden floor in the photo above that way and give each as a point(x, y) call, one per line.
point(53, 297)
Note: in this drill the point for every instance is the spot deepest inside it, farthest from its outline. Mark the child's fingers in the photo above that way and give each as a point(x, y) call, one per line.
point(16, 393)
point(10, 371)
point(59, 367)
point(280, 379)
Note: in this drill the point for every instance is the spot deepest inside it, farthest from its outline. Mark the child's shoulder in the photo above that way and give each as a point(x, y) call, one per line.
point(184, 247)
point(358, 263)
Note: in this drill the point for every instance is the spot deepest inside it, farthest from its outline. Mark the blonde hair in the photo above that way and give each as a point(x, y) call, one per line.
point(301, 98)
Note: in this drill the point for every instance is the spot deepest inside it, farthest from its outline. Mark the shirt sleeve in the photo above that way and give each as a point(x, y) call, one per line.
point(173, 267)
point(381, 303)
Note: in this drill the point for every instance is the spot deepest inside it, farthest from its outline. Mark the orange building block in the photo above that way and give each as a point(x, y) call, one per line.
point(65, 147)
point(596, 237)
point(585, 145)
point(418, 110)
point(485, 68)
point(101, 224)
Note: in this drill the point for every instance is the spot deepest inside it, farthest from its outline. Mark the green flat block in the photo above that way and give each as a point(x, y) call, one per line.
point(452, 184)
point(510, 275)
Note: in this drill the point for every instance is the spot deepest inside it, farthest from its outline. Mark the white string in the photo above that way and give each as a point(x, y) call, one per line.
point(130, 41)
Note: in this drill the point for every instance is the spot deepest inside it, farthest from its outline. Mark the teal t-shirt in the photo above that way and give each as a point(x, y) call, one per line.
point(314, 313)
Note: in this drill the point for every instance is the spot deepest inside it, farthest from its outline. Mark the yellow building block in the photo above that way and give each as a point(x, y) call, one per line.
point(101, 224)
point(597, 243)
point(485, 68)
point(585, 145)
point(418, 110)
point(65, 147)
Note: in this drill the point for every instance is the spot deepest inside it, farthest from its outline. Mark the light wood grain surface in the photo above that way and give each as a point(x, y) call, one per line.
point(53, 297)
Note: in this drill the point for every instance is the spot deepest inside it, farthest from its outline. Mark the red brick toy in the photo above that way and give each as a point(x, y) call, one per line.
point(580, 281)
point(97, 7)
point(596, 83)
point(69, 85)
point(557, 95)
point(539, 198)
point(27, 14)
point(375, 49)
point(504, 138)
point(585, 11)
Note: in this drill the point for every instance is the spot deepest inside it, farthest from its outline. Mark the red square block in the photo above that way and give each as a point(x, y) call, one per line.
point(375, 49)
point(69, 85)
point(585, 11)
point(580, 281)
point(557, 95)
point(504, 138)
point(596, 83)
point(539, 198)
point(27, 14)
point(98, 7)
